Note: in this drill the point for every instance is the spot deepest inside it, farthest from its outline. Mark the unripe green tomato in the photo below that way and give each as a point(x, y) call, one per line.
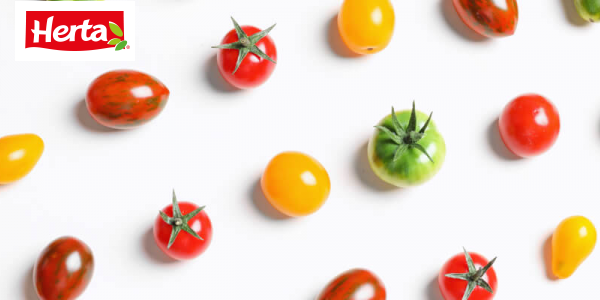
point(589, 10)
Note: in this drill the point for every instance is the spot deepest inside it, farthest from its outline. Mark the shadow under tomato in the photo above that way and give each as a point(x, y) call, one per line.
point(335, 40)
point(85, 119)
point(28, 288)
point(365, 173)
point(262, 204)
point(152, 250)
point(547, 254)
point(572, 15)
point(214, 77)
point(432, 292)
point(497, 145)
point(454, 21)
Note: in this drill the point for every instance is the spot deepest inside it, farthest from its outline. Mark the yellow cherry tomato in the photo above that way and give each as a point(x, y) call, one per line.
point(295, 184)
point(366, 26)
point(572, 242)
point(18, 155)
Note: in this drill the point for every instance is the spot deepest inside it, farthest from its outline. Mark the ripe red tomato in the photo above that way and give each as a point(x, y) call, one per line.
point(468, 274)
point(125, 99)
point(355, 284)
point(529, 125)
point(247, 56)
point(63, 270)
point(186, 217)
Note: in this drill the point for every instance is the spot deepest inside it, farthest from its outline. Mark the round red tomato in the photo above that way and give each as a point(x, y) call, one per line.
point(182, 230)
point(468, 274)
point(355, 284)
point(63, 270)
point(529, 125)
point(125, 99)
point(247, 56)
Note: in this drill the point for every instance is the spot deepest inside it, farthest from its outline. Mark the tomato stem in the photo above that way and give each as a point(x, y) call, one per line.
point(179, 221)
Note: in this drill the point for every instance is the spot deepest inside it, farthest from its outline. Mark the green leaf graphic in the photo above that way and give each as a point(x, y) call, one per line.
point(115, 29)
point(121, 45)
point(114, 41)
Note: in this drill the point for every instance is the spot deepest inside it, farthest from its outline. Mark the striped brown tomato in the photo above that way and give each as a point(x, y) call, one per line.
point(356, 284)
point(182, 230)
point(63, 270)
point(125, 99)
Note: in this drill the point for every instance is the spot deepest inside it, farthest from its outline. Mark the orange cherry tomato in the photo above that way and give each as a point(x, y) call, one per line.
point(18, 155)
point(295, 184)
point(366, 26)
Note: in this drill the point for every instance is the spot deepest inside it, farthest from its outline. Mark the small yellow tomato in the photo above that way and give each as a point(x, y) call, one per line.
point(366, 26)
point(573, 241)
point(18, 155)
point(295, 184)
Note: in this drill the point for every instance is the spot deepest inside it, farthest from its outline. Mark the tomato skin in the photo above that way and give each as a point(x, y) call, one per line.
point(589, 10)
point(253, 70)
point(186, 246)
point(529, 125)
point(366, 26)
point(125, 99)
point(572, 242)
point(454, 289)
point(18, 156)
point(295, 184)
point(413, 167)
point(352, 284)
point(63, 270)
point(488, 19)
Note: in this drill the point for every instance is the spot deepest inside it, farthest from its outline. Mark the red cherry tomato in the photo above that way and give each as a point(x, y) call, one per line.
point(182, 230)
point(355, 284)
point(63, 270)
point(253, 70)
point(456, 275)
point(529, 125)
point(125, 99)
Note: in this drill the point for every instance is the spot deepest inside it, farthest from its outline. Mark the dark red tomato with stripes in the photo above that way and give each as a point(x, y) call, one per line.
point(355, 284)
point(125, 99)
point(63, 270)
point(491, 18)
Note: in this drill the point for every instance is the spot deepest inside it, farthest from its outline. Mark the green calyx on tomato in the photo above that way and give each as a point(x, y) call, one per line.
point(406, 148)
point(474, 277)
point(406, 137)
point(247, 44)
point(179, 221)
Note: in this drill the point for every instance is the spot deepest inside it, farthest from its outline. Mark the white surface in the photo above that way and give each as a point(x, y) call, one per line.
point(211, 146)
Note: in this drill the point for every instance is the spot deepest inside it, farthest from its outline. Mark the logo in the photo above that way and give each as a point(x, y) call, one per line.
point(91, 31)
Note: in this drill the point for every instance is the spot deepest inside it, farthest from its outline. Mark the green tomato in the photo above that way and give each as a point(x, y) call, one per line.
point(406, 148)
point(589, 10)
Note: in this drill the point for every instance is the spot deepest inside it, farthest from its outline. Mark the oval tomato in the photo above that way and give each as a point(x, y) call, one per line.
point(247, 56)
point(529, 125)
point(468, 276)
point(125, 99)
point(572, 242)
point(186, 217)
point(63, 270)
point(295, 184)
point(491, 18)
point(406, 148)
point(366, 26)
point(589, 10)
point(355, 284)
point(18, 155)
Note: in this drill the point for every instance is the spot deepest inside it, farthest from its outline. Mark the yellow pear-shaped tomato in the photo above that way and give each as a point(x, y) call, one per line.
point(366, 26)
point(572, 242)
point(18, 155)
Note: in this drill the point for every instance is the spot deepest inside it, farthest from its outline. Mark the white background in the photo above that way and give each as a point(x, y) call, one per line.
point(211, 144)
